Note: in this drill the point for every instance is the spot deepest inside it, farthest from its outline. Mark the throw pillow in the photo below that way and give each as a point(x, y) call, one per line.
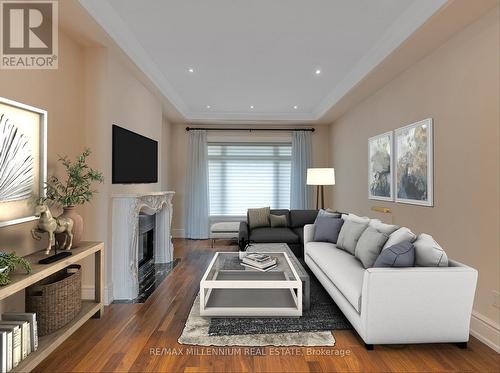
point(278, 221)
point(382, 227)
point(349, 235)
point(402, 234)
point(428, 253)
point(356, 218)
point(326, 213)
point(400, 255)
point(369, 246)
point(327, 229)
point(258, 217)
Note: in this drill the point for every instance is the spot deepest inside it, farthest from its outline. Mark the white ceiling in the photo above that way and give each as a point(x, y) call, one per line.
point(260, 53)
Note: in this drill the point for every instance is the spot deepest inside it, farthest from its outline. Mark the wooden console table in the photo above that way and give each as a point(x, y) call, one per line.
point(90, 308)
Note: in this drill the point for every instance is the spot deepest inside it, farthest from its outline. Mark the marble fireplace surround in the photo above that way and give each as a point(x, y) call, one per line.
point(125, 224)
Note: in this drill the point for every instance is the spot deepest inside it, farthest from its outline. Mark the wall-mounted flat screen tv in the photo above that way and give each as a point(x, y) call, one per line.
point(135, 157)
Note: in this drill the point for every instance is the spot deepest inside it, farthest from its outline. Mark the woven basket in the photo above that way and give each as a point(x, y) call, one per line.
point(56, 299)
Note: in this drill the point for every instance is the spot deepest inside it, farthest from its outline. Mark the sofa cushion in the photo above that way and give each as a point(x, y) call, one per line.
point(266, 234)
point(402, 234)
point(278, 221)
point(349, 235)
point(327, 229)
point(369, 246)
point(258, 217)
point(356, 218)
point(299, 231)
point(428, 253)
point(342, 268)
point(299, 218)
point(388, 229)
point(400, 255)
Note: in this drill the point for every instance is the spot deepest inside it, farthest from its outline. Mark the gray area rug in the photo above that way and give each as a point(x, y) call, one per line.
point(324, 315)
point(196, 333)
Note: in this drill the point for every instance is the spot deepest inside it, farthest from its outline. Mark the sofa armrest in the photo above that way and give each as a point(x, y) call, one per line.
point(243, 234)
point(417, 305)
point(308, 233)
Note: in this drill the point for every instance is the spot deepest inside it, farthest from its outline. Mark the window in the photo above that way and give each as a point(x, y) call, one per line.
point(246, 175)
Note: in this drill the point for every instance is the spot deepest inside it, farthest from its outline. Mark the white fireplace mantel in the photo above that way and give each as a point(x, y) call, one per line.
point(125, 225)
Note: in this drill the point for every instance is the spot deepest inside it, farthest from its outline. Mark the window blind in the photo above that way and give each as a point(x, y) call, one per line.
point(248, 175)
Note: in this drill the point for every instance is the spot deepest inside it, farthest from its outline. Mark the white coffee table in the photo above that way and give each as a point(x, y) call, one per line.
point(230, 289)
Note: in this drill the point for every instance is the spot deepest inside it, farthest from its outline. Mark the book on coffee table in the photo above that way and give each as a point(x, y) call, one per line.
point(259, 269)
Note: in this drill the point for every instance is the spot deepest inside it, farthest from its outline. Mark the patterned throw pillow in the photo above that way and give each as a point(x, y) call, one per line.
point(400, 255)
point(258, 217)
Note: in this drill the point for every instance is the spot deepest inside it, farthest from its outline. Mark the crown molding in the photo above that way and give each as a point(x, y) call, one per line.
point(405, 25)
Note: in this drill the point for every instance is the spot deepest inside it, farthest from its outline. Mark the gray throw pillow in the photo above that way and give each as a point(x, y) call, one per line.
point(428, 253)
point(349, 235)
point(400, 255)
point(402, 234)
point(278, 221)
point(326, 213)
point(369, 246)
point(258, 217)
point(327, 229)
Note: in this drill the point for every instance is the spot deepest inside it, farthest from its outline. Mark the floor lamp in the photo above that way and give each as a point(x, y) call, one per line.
point(320, 177)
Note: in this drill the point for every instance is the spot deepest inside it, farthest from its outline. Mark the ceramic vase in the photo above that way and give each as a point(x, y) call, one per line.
point(70, 212)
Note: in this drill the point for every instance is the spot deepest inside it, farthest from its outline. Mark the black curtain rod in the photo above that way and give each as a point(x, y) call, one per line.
point(250, 129)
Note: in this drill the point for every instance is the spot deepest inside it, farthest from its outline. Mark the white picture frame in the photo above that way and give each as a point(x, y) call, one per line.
point(410, 141)
point(378, 166)
point(34, 126)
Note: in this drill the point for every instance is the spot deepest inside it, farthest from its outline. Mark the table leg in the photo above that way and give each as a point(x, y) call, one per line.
point(99, 282)
point(306, 290)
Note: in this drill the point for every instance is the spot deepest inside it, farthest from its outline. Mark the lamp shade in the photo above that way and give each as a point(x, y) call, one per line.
point(320, 176)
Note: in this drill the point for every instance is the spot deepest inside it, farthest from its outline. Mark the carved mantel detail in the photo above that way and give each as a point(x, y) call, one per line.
point(126, 210)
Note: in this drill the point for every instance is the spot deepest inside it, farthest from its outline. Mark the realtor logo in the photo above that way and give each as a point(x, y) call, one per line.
point(29, 38)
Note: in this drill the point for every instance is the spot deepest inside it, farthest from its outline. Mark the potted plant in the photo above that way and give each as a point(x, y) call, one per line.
point(8, 263)
point(76, 189)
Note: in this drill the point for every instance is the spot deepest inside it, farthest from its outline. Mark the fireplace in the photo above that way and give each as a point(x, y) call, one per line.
point(146, 244)
point(140, 241)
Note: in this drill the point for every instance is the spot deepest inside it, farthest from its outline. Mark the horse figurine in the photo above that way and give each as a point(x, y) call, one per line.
point(51, 225)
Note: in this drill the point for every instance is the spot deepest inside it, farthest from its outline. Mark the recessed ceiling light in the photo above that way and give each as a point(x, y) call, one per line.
point(251, 106)
point(295, 107)
point(191, 70)
point(317, 72)
point(208, 106)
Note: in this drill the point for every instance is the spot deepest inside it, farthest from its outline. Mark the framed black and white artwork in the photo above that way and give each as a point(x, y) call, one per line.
point(380, 167)
point(414, 163)
point(23, 160)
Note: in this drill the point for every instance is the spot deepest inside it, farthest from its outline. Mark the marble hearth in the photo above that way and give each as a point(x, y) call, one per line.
point(125, 225)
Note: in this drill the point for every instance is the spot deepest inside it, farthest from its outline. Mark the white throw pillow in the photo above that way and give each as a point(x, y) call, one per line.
point(402, 234)
point(388, 229)
point(356, 218)
point(428, 253)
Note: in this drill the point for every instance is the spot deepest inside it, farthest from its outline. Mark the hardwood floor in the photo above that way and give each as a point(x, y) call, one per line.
point(128, 334)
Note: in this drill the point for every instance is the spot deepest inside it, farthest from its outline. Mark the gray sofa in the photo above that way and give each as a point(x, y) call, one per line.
point(293, 234)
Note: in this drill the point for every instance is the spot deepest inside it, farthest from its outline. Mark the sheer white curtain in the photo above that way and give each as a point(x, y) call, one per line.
point(300, 193)
point(197, 186)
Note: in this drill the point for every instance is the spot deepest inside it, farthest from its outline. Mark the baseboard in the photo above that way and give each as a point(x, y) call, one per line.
point(178, 233)
point(486, 330)
point(88, 293)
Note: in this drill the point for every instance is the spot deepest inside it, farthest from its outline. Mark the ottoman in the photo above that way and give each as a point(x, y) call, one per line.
point(224, 230)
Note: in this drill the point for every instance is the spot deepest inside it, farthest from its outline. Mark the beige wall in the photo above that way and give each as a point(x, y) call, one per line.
point(92, 89)
point(458, 86)
point(178, 163)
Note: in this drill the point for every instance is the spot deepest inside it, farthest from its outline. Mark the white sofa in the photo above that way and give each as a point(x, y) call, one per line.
point(395, 305)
